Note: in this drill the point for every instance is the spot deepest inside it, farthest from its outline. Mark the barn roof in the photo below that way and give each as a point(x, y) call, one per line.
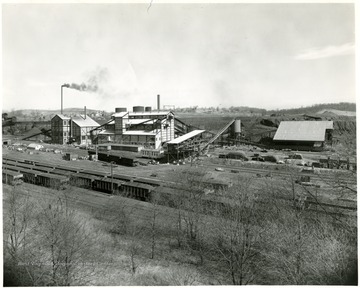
point(302, 130)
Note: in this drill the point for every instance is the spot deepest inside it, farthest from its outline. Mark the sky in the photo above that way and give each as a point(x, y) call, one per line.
point(271, 56)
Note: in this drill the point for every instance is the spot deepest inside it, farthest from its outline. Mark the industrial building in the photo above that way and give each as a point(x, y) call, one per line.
point(304, 135)
point(142, 127)
point(60, 129)
point(77, 129)
point(80, 128)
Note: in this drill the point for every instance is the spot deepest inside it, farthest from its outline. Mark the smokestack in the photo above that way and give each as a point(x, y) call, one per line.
point(85, 112)
point(158, 102)
point(61, 99)
point(62, 86)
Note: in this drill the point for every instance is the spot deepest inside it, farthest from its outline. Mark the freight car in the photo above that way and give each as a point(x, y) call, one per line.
point(52, 180)
point(29, 176)
point(137, 190)
point(11, 177)
point(83, 180)
point(121, 158)
point(107, 185)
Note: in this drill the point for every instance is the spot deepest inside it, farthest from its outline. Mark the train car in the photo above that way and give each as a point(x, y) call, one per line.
point(137, 190)
point(107, 185)
point(11, 177)
point(83, 180)
point(120, 158)
point(29, 176)
point(52, 180)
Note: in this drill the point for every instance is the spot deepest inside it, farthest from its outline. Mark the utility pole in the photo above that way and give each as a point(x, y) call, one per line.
point(112, 186)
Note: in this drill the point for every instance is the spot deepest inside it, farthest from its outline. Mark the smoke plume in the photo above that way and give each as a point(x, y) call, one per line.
point(96, 79)
point(81, 87)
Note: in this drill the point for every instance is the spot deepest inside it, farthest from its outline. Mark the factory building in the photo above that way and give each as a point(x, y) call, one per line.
point(80, 129)
point(77, 129)
point(142, 127)
point(304, 135)
point(60, 129)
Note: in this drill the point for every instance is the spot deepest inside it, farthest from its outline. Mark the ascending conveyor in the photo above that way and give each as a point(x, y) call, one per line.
point(217, 135)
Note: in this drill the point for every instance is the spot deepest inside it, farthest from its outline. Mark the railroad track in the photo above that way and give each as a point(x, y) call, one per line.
point(309, 202)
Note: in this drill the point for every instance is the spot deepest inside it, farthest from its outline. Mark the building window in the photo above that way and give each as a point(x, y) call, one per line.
point(82, 137)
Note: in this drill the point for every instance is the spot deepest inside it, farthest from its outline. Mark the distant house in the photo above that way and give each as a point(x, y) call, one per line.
point(81, 127)
point(60, 129)
point(304, 135)
point(34, 146)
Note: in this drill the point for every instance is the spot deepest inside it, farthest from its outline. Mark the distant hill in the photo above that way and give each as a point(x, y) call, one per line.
point(334, 112)
point(45, 115)
point(315, 109)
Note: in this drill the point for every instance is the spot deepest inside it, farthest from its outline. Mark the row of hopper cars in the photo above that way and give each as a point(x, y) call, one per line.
point(58, 177)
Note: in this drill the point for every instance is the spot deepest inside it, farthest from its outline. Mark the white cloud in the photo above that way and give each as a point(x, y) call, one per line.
point(326, 52)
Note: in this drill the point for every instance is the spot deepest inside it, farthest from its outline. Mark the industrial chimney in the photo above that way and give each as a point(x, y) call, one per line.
point(158, 102)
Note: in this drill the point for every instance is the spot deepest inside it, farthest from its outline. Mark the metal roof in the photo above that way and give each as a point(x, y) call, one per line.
point(87, 122)
point(186, 136)
point(63, 117)
point(119, 114)
point(302, 130)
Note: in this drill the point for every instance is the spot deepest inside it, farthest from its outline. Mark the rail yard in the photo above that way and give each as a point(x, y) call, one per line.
point(123, 177)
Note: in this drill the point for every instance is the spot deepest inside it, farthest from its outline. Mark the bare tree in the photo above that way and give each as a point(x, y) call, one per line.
point(19, 239)
point(237, 235)
point(155, 213)
point(65, 242)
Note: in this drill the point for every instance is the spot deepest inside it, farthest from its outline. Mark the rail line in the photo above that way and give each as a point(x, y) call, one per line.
point(38, 165)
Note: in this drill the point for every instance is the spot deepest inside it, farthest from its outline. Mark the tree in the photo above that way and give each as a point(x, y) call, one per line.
point(65, 243)
point(236, 235)
point(18, 240)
